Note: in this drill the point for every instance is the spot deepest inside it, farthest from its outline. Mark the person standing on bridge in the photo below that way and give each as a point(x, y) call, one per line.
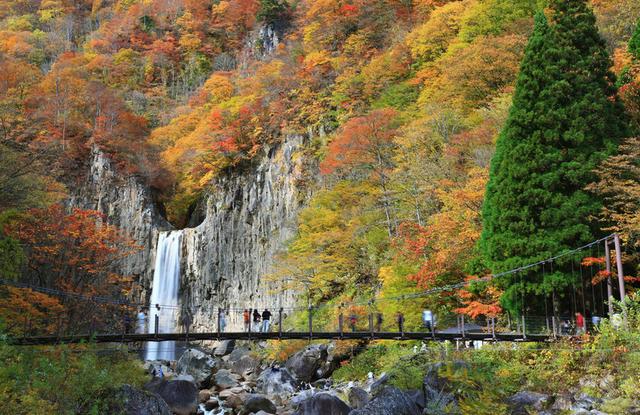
point(223, 320)
point(379, 319)
point(141, 322)
point(400, 321)
point(353, 320)
point(580, 324)
point(187, 320)
point(266, 320)
point(256, 320)
point(246, 317)
point(427, 319)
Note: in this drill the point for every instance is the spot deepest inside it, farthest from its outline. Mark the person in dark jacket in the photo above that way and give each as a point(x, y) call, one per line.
point(256, 320)
point(266, 320)
point(400, 321)
point(379, 322)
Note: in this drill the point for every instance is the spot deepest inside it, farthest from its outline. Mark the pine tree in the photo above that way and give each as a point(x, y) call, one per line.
point(634, 43)
point(562, 123)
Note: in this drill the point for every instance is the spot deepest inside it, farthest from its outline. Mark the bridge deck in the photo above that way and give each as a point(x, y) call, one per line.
point(133, 338)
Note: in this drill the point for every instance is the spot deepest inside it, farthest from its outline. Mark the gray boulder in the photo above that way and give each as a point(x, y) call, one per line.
point(358, 397)
point(236, 355)
point(224, 348)
point(224, 379)
point(198, 364)
point(522, 402)
point(389, 401)
point(379, 384)
point(128, 400)
point(322, 404)
point(306, 365)
point(418, 397)
point(584, 402)
point(180, 395)
point(276, 381)
point(245, 365)
point(256, 403)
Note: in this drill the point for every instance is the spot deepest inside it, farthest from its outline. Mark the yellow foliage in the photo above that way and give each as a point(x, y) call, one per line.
point(430, 40)
point(219, 88)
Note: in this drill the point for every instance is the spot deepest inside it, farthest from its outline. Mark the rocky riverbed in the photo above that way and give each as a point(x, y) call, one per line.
point(232, 379)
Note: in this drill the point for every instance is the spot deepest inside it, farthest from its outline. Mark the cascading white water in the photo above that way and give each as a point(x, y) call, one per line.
point(164, 291)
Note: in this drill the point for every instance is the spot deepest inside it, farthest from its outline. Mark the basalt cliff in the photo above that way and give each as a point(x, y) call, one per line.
point(245, 218)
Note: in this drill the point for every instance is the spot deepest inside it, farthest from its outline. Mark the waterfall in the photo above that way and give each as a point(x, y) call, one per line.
point(164, 291)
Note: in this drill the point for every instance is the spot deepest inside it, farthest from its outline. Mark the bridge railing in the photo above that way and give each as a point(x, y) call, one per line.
point(303, 322)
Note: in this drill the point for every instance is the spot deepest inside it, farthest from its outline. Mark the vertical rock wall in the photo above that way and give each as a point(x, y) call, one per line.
point(128, 204)
point(249, 217)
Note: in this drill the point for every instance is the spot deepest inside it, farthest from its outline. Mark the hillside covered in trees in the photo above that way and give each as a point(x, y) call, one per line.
point(444, 141)
point(404, 101)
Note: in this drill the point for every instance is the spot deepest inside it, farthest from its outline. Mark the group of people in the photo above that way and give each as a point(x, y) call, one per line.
point(428, 321)
point(256, 321)
point(582, 323)
point(253, 320)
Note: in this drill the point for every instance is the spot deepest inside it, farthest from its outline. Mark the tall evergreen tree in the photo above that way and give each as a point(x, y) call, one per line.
point(634, 43)
point(563, 122)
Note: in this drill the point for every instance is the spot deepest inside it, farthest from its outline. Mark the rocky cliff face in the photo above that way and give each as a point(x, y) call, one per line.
point(128, 204)
point(249, 217)
point(246, 218)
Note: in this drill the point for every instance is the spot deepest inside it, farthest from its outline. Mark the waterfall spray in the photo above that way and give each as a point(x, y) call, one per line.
point(166, 281)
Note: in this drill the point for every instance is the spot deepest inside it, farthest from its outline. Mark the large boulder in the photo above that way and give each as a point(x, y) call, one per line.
point(310, 364)
point(418, 397)
point(276, 381)
point(235, 355)
point(128, 400)
point(180, 395)
point(522, 402)
point(358, 397)
point(389, 401)
point(245, 366)
point(198, 364)
point(224, 379)
point(224, 348)
point(322, 404)
point(256, 403)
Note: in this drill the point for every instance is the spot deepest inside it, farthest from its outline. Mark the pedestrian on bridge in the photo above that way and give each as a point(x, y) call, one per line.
point(266, 320)
point(187, 320)
point(246, 317)
point(379, 319)
point(141, 321)
point(223, 320)
point(256, 320)
point(427, 319)
point(127, 323)
point(353, 320)
point(400, 321)
point(580, 324)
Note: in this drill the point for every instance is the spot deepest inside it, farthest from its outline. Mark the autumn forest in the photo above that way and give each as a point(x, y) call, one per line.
point(444, 141)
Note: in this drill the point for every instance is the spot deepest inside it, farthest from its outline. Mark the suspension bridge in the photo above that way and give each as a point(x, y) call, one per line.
point(107, 320)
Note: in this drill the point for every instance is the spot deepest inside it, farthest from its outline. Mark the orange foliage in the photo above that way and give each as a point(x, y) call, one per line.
point(447, 242)
point(24, 310)
point(486, 303)
point(73, 251)
point(362, 142)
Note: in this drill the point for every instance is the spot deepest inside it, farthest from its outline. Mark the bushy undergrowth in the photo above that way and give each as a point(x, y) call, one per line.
point(62, 380)
point(605, 365)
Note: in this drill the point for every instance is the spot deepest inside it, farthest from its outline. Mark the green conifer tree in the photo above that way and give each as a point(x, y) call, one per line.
point(634, 43)
point(563, 122)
